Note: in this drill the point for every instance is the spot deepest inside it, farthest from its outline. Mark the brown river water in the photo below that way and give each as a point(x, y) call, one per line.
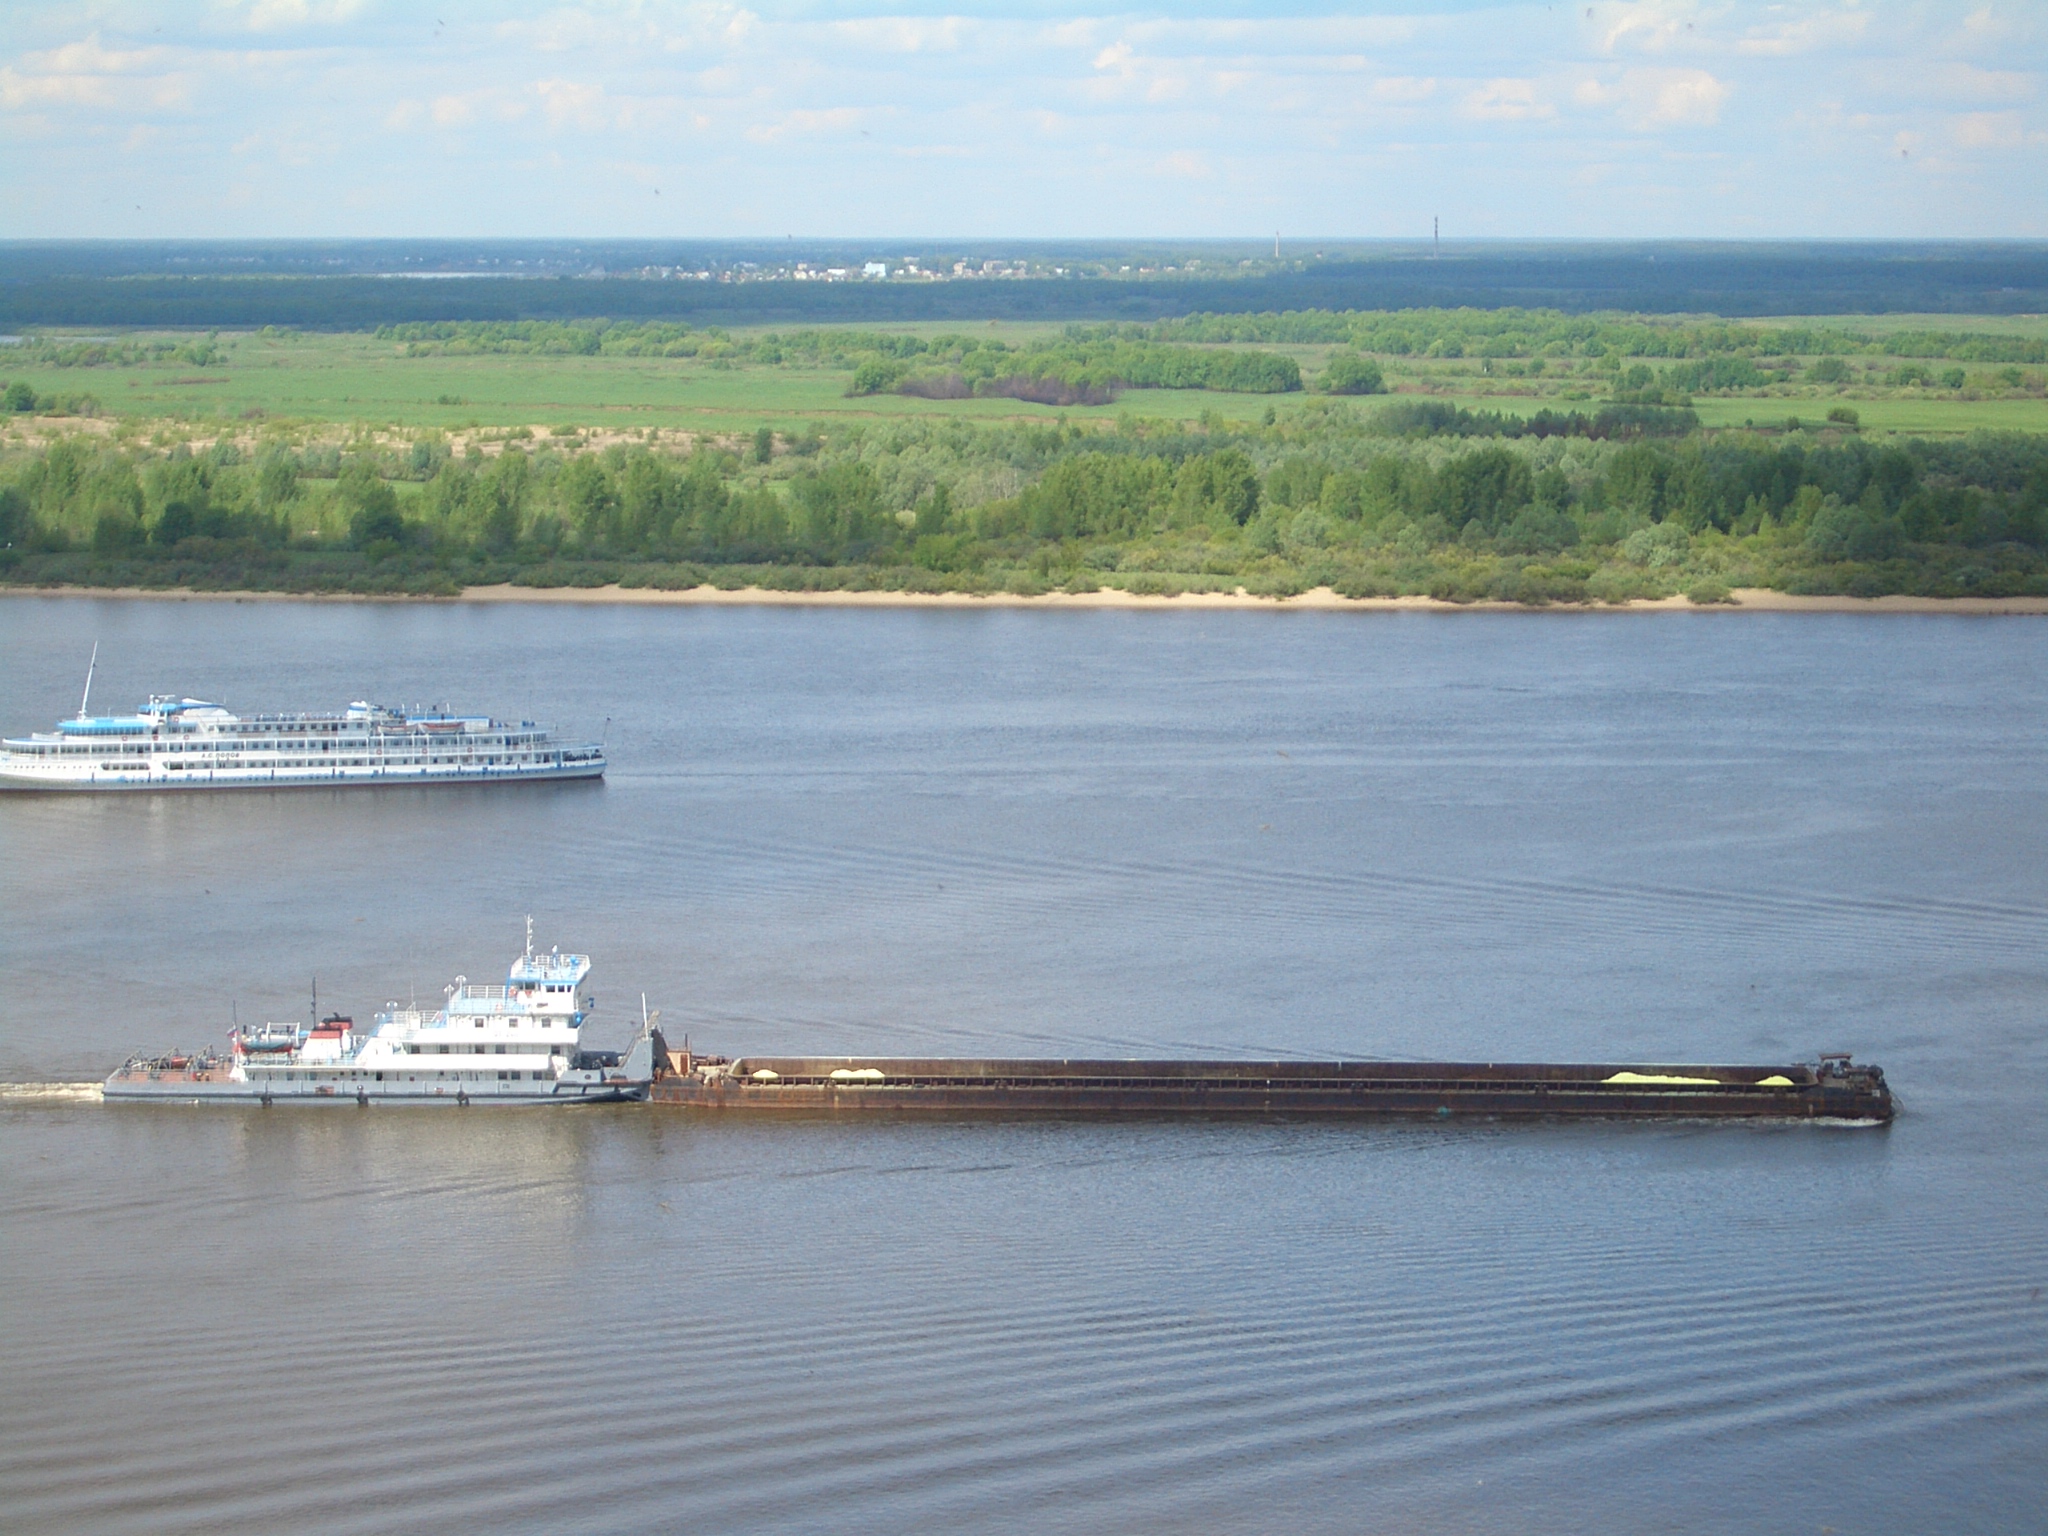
point(1538, 836)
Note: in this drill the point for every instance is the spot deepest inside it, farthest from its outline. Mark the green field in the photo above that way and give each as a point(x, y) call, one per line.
point(359, 380)
point(1906, 416)
point(285, 379)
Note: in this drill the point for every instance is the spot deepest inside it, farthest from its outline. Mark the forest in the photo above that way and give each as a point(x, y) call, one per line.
point(1369, 499)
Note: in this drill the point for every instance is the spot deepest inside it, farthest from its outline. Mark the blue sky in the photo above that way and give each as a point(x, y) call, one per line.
point(1036, 118)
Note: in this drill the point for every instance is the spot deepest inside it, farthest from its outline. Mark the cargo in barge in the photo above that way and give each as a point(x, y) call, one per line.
point(1835, 1088)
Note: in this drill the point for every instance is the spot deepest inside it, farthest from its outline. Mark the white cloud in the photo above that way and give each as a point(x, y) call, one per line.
point(567, 103)
point(1646, 26)
point(1824, 30)
point(804, 124)
point(19, 91)
point(276, 15)
point(1403, 88)
point(1505, 100)
point(1651, 99)
point(1966, 82)
point(1993, 130)
point(903, 34)
point(87, 74)
point(89, 56)
point(1680, 96)
point(1116, 57)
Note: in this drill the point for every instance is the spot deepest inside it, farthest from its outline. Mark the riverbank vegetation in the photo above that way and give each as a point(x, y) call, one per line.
point(1524, 455)
point(1369, 498)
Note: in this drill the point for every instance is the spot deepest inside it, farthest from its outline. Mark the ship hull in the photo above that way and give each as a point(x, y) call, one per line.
point(170, 1090)
point(18, 780)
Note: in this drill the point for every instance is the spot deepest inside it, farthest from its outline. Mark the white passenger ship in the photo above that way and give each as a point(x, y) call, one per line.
point(174, 743)
point(515, 1044)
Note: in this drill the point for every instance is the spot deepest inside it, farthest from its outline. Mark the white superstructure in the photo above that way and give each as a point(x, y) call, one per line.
point(514, 1044)
point(191, 744)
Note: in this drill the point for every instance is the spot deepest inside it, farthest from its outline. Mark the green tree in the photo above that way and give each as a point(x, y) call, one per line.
point(1216, 488)
point(1296, 482)
point(1487, 487)
point(842, 509)
point(934, 511)
point(277, 480)
point(115, 532)
point(374, 517)
point(17, 523)
point(583, 491)
point(1350, 374)
point(1636, 479)
point(1842, 532)
point(175, 524)
point(1095, 494)
point(875, 375)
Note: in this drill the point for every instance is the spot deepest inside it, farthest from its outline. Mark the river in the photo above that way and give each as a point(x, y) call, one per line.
point(1712, 837)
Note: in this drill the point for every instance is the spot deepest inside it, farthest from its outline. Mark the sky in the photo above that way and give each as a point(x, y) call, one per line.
point(1032, 119)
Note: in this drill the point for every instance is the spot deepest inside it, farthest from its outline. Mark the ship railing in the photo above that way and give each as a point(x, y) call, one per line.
point(414, 1018)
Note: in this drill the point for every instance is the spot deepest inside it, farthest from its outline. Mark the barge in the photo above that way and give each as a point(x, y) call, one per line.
point(1835, 1088)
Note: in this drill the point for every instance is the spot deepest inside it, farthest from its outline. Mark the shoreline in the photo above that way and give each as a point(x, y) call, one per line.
point(1316, 600)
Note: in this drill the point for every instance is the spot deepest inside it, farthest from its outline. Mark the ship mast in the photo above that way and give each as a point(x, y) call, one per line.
point(87, 695)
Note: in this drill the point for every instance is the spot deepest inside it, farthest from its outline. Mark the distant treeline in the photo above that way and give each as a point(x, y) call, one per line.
point(1525, 333)
point(1665, 279)
point(1088, 365)
point(1435, 418)
point(1356, 500)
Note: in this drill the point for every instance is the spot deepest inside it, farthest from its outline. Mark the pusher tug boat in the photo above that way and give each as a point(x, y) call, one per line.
point(515, 1044)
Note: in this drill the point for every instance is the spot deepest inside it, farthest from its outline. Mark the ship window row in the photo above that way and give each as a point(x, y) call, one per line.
point(470, 751)
point(235, 760)
point(551, 1047)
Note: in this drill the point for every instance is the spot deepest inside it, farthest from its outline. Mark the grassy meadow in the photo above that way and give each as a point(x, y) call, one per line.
point(260, 381)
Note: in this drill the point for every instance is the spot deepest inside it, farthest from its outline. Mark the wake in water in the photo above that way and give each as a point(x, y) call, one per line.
point(49, 1093)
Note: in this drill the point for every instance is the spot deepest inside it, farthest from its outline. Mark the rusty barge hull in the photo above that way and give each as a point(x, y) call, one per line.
point(906, 1087)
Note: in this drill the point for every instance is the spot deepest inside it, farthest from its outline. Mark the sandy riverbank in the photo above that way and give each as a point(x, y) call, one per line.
point(1320, 599)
